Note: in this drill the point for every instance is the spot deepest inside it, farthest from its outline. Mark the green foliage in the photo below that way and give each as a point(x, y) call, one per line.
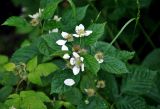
point(57, 85)
point(25, 100)
point(81, 68)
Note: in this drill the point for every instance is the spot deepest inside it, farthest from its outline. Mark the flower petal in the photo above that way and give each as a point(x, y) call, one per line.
point(82, 67)
point(100, 61)
point(82, 59)
point(64, 35)
point(88, 32)
point(76, 55)
point(72, 61)
point(69, 82)
point(64, 48)
point(78, 28)
point(76, 35)
point(61, 42)
point(66, 56)
point(53, 30)
point(76, 70)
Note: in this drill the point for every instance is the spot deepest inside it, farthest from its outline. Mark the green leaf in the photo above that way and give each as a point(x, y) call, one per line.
point(91, 64)
point(111, 90)
point(58, 86)
point(87, 81)
point(10, 67)
point(18, 22)
point(69, 20)
point(50, 9)
point(24, 54)
point(140, 81)
point(3, 59)
point(131, 102)
point(41, 70)
point(114, 65)
point(94, 103)
point(8, 78)
point(32, 64)
point(25, 99)
point(98, 31)
point(152, 60)
point(73, 96)
point(5, 91)
point(109, 50)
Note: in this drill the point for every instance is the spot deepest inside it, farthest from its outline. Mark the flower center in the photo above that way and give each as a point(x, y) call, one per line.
point(99, 55)
point(81, 31)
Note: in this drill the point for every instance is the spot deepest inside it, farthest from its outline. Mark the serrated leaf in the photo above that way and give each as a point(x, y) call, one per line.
point(73, 96)
point(32, 64)
point(58, 86)
point(114, 65)
point(96, 102)
point(50, 8)
point(18, 22)
point(69, 20)
point(24, 54)
point(131, 102)
point(87, 81)
point(91, 64)
point(8, 78)
point(41, 70)
point(10, 67)
point(98, 31)
point(140, 81)
point(25, 99)
point(4, 92)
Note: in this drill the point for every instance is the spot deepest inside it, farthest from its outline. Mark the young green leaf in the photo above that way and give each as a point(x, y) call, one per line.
point(32, 64)
point(3, 59)
point(25, 99)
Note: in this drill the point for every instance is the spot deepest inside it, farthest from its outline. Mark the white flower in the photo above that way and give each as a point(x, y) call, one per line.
point(77, 62)
point(56, 18)
point(99, 57)
point(69, 82)
point(66, 56)
point(67, 36)
point(12, 107)
point(80, 30)
point(55, 30)
point(62, 43)
point(36, 15)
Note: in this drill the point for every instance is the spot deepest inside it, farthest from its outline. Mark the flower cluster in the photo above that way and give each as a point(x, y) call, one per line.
point(36, 19)
point(75, 60)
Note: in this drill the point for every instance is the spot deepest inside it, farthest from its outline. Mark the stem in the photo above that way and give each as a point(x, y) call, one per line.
point(147, 36)
point(126, 24)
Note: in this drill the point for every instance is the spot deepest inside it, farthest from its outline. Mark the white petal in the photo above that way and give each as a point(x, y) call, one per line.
point(61, 42)
point(76, 70)
point(82, 67)
point(76, 35)
point(80, 27)
point(64, 34)
point(72, 61)
point(88, 32)
point(64, 48)
point(69, 82)
point(100, 61)
point(66, 56)
point(53, 30)
point(82, 59)
point(76, 55)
